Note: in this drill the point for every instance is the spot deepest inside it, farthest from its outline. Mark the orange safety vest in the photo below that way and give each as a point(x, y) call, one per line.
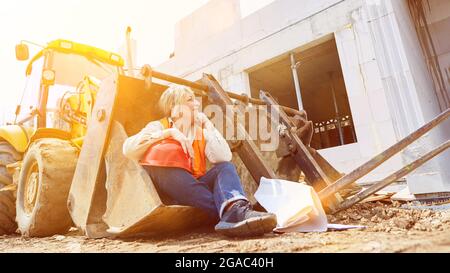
point(169, 153)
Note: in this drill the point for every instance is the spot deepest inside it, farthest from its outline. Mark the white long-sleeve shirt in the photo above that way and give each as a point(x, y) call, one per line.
point(216, 150)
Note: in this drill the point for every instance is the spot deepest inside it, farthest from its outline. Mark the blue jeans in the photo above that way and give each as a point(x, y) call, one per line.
point(212, 192)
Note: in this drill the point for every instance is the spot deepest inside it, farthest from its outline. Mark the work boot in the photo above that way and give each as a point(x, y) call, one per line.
point(240, 220)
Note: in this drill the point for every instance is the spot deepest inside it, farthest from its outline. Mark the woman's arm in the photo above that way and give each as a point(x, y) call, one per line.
point(217, 149)
point(135, 146)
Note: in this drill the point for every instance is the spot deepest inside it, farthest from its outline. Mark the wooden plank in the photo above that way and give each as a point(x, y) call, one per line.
point(392, 178)
point(247, 151)
point(382, 157)
point(377, 198)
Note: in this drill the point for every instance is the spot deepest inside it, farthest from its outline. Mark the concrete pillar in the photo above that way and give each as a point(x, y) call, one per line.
point(408, 85)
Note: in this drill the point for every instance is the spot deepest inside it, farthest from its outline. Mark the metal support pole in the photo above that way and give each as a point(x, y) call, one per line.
point(336, 110)
point(296, 82)
point(130, 52)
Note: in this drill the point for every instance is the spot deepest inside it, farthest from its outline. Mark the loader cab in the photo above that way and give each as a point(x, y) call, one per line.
point(58, 73)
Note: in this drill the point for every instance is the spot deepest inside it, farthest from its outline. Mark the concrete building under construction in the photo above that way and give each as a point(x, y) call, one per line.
point(368, 72)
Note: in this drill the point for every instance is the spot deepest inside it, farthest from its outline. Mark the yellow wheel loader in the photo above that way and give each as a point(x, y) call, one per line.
point(61, 160)
point(57, 172)
point(39, 151)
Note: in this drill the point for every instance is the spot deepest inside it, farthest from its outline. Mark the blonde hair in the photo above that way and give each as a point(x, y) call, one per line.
point(174, 95)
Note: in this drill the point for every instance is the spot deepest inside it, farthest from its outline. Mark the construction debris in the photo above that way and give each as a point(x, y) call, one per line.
point(382, 217)
point(393, 229)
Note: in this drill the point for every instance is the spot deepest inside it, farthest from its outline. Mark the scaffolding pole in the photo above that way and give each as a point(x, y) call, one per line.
point(294, 65)
point(336, 110)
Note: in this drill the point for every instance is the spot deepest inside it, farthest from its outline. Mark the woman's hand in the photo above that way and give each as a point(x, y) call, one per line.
point(202, 120)
point(184, 141)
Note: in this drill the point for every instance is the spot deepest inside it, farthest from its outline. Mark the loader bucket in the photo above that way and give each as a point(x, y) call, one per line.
point(110, 194)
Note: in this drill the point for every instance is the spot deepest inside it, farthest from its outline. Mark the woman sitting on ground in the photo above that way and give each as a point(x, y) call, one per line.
point(174, 150)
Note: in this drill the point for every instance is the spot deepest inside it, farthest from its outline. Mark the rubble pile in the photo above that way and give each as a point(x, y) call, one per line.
point(390, 217)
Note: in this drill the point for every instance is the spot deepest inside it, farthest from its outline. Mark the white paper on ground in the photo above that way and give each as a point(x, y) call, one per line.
point(343, 227)
point(296, 205)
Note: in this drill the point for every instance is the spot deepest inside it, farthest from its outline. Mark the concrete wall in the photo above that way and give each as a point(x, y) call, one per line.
point(247, 42)
point(236, 46)
point(367, 97)
point(438, 18)
point(409, 90)
point(200, 29)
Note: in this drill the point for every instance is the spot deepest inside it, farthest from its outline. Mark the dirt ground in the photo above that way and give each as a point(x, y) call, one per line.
point(390, 228)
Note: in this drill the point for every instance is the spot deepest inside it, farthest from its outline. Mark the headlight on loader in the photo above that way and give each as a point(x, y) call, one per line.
point(48, 77)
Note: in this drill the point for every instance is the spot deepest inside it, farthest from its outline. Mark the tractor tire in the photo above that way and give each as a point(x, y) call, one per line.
point(43, 188)
point(8, 155)
point(7, 212)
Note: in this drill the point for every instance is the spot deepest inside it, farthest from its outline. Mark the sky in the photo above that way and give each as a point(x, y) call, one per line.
point(100, 23)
